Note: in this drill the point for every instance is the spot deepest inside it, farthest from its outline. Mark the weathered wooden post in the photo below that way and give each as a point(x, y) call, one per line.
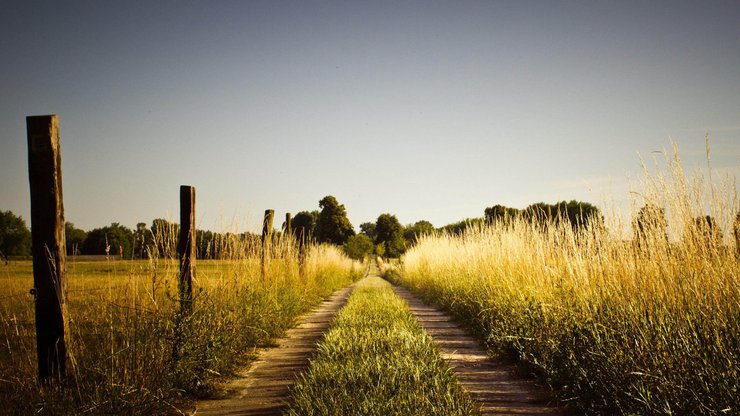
point(186, 247)
point(288, 223)
point(266, 237)
point(48, 246)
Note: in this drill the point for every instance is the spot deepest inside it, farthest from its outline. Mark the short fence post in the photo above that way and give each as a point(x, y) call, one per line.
point(266, 237)
point(186, 248)
point(48, 245)
point(288, 223)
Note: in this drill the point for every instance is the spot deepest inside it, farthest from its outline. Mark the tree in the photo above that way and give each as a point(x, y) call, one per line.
point(358, 246)
point(390, 234)
point(578, 214)
point(500, 213)
point(736, 230)
point(15, 237)
point(114, 239)
point(74, 238)
point(332, 225)
point(304, 224)
point(650, 226)
point(368, 228)
point(708, 230)
point(164, 238)
point(412, 232)
point(459, 227)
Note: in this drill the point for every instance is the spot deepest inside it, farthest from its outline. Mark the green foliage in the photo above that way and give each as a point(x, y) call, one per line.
point(114, 240)
point(650, 226)
point(15, 237)
point(332, 225)
point(304, 224)
point(389, 232)
point(412, 232)
point(500, 213)
point(358, 246)
point(377, 360)
point(459, 227)
point(368, 228)
point(74, 238)
point(164, 236)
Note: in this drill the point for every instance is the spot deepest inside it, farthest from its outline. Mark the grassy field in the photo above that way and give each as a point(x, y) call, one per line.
point(377, 360)
point(122, 316)
point(616, 326)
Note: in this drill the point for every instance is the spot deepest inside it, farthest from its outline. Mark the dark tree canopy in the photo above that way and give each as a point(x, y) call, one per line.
point(74, 238)
point(304, 224)
point(459, 227)
point(500, 213)
point(368, 228)
point(578, 214)
point(650, 224)
point(114, 239)
point(390, 233)
point(332, 225)
point(708, 229)
point(15, 237)
point(164, 236)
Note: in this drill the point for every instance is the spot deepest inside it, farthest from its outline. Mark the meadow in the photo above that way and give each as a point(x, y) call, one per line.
point(126, 356)
point(640, 322)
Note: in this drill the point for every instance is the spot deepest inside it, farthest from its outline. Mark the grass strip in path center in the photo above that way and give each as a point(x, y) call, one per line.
point(377, 360)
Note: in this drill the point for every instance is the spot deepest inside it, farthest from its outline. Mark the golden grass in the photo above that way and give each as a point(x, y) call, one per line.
point(122, 319)
point(617, 326)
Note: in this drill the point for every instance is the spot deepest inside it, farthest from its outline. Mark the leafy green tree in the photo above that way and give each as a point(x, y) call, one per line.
point(578, 214)
point(114, 239)
point(74, 238)
point(304, 224)
point(332, 225)
point(368, 228)
point(358, 246)
point(459, 227)
point(412, 232)
point(390, 234)
point(15, 237)
point(500, 213)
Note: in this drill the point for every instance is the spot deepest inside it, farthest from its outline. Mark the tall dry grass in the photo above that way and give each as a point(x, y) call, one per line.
point(644, 325)
point(125, 355)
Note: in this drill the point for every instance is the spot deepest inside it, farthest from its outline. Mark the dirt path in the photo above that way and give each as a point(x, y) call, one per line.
point(491, 383)
point(264, 387)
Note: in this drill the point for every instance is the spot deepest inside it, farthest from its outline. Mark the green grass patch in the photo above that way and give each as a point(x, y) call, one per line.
point(377, 360)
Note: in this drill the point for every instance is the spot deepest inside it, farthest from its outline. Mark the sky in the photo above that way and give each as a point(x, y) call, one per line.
point(426, 110)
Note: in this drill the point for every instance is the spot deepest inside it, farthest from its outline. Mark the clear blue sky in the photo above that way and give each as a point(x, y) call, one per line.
point(427, 110)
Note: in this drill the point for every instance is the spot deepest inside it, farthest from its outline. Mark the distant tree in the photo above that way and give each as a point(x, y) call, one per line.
point(459, 227)
point(500, 213)
point(358, 246)
point(114, 239)
point(708, 230)
point(368, 228)
point(736, 229)
point(74, 238)
point(304, 224)
point(332, 225)
point(413, 231)
point(15, 237)
point(390, 234)
point(650, 226)
point(579, 215)
point(164, 238)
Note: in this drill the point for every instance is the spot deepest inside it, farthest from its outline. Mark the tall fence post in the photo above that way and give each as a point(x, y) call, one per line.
point(266, 237)
point(186, 247)
point(48, 245)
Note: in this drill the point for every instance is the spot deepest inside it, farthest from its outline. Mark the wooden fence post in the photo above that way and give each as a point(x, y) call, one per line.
point(186, 248)
point(48, 245)
point(266, 237)
point(288, 223)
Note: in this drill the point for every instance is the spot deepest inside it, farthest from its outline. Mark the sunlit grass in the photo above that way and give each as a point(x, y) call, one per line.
point(377, 360)
point(122, 318)
point(616, 325)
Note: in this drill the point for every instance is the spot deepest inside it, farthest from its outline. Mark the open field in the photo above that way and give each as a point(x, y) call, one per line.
point(122, 319)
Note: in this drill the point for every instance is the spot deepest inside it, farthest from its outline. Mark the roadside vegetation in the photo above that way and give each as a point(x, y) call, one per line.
point(377, 360)
point(646, 324)
point(125, 356)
